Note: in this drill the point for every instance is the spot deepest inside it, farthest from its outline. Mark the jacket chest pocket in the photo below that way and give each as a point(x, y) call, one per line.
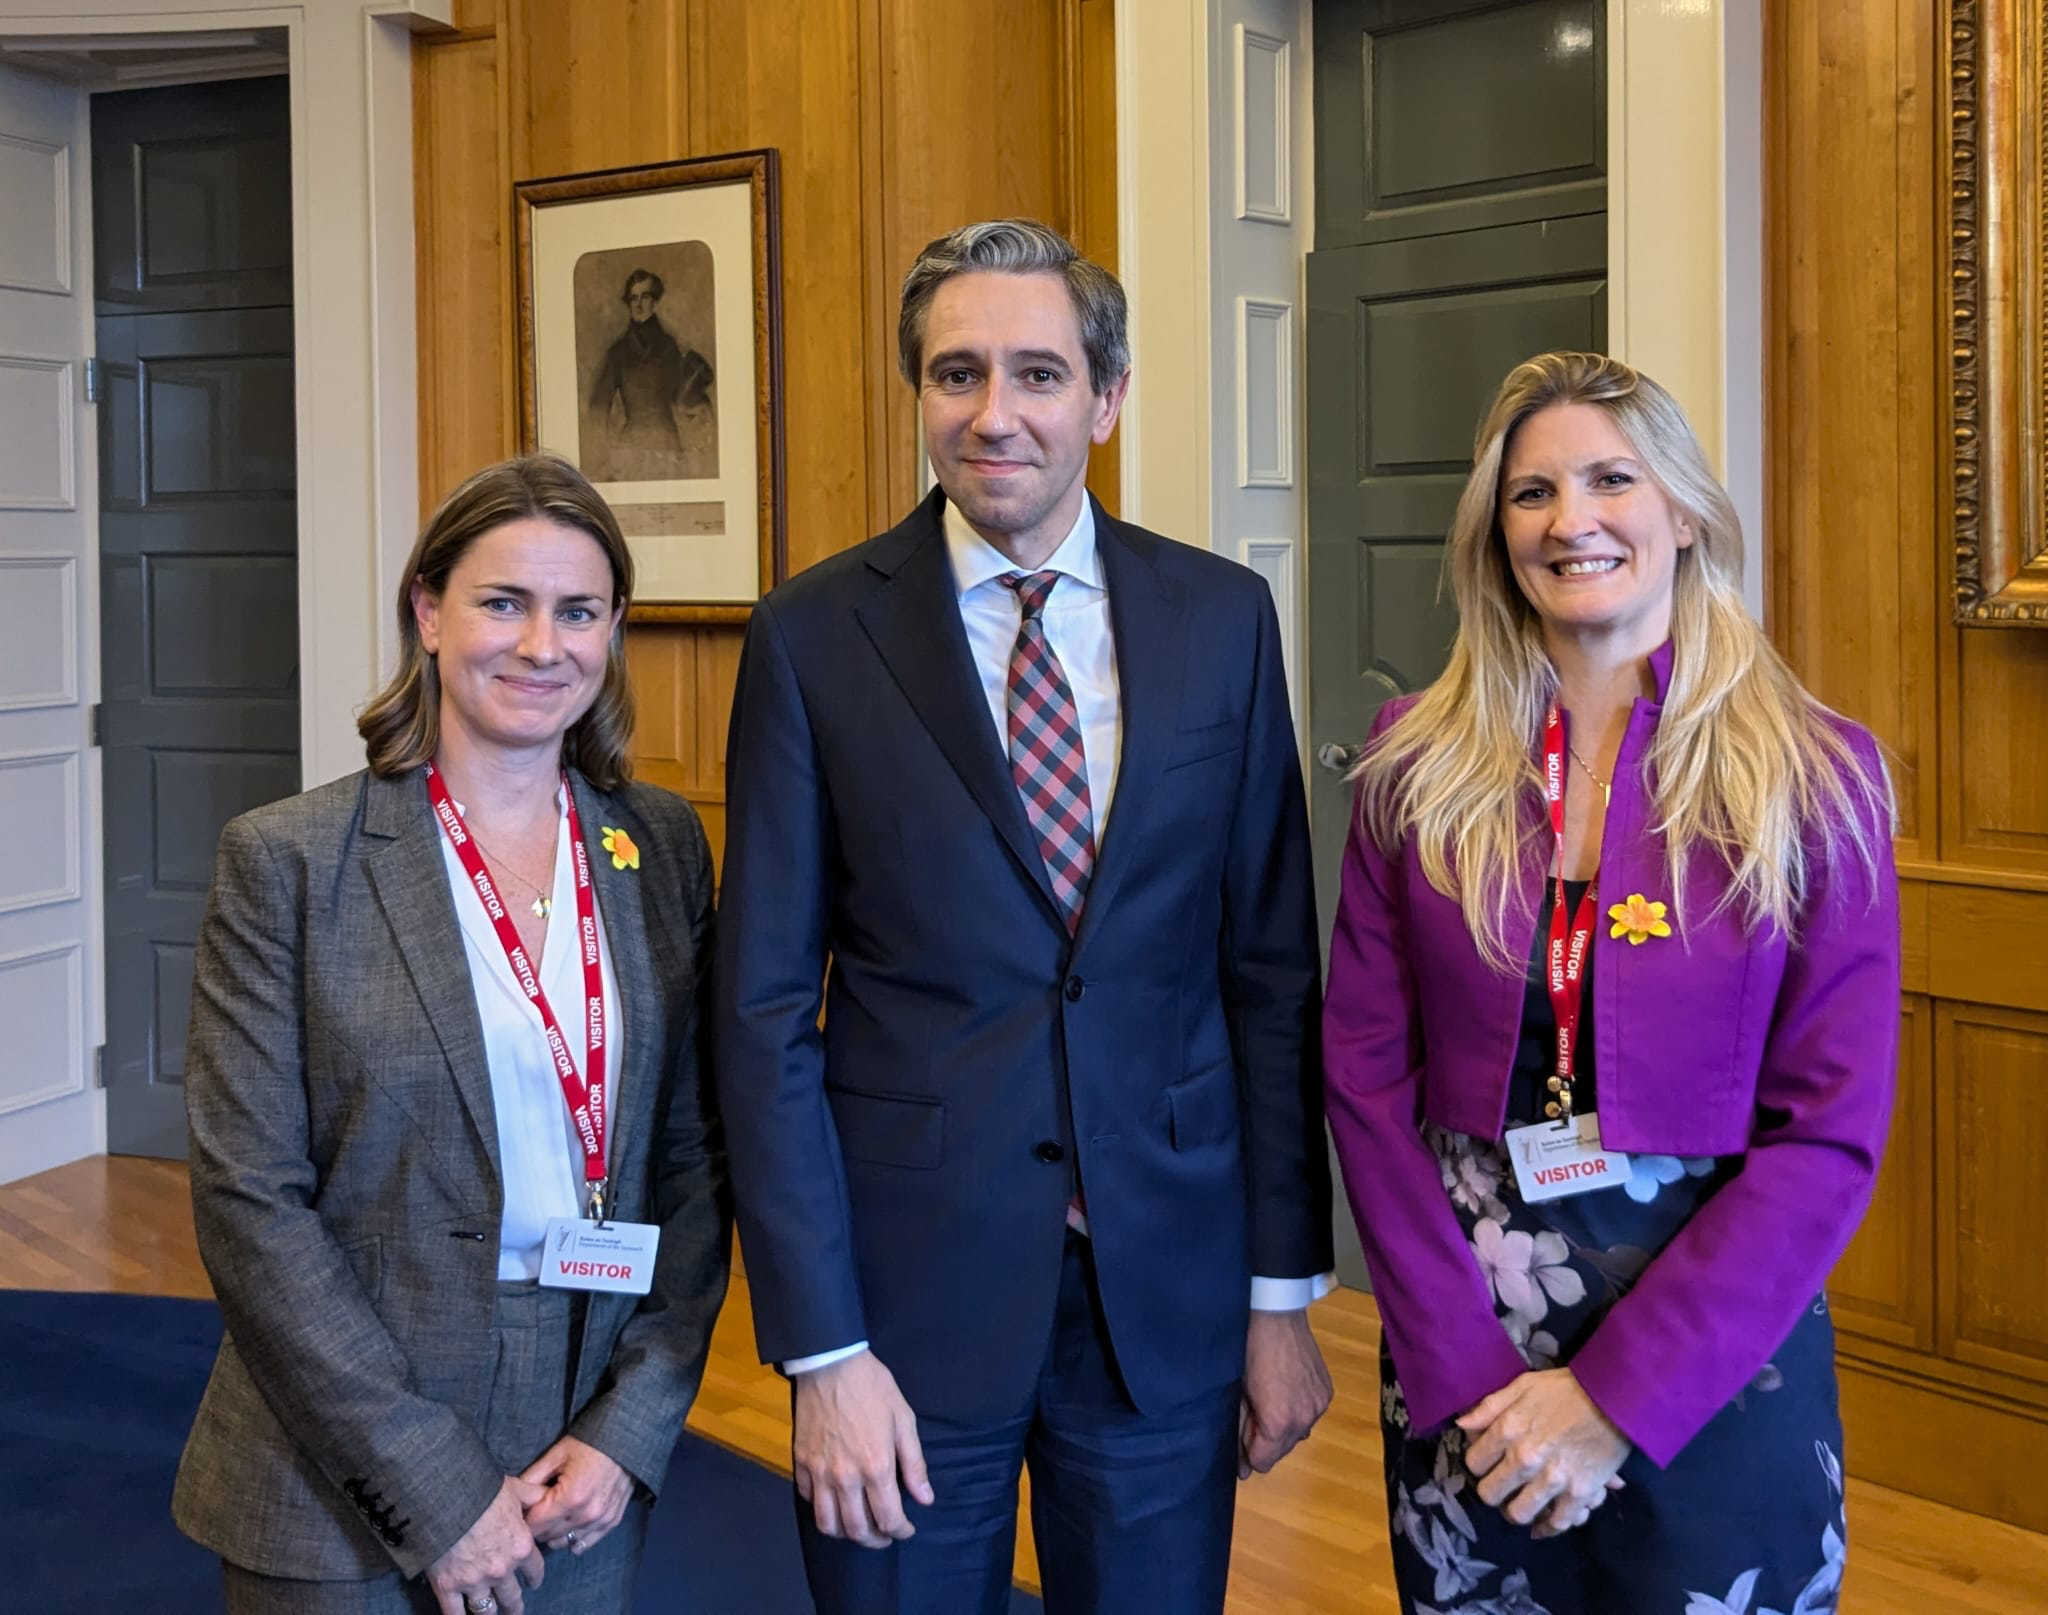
point(1207, 743)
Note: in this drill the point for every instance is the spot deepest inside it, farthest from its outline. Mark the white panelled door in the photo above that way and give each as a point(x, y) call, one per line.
point(50, 1111)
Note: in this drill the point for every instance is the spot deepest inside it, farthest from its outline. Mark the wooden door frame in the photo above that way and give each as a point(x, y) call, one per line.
point(1686, 279)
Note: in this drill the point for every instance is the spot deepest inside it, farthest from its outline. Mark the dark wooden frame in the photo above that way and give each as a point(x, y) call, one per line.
point(1995, 295)
point(761, 172)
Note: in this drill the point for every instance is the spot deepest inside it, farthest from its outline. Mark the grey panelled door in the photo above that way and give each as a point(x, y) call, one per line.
point(1460, 227)
point(198, 540)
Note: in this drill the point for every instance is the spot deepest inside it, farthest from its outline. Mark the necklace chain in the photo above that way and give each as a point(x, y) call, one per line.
point(543, 904)
point(1606, 790)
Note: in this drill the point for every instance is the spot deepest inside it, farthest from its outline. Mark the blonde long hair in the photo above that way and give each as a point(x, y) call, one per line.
point(401, 726)
point(1744, 761)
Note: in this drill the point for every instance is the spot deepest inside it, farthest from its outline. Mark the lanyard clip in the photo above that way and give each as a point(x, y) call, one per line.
point(594, 1207)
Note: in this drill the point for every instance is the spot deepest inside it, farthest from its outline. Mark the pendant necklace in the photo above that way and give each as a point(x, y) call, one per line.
point(542, 906)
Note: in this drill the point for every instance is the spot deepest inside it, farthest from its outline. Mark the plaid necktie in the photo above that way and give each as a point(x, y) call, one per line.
point(1045, 750)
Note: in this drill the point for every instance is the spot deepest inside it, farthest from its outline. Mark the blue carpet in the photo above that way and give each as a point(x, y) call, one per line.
point(97, 1392)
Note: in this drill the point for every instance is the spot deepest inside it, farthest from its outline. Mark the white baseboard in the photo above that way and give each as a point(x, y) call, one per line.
point(52, 1134)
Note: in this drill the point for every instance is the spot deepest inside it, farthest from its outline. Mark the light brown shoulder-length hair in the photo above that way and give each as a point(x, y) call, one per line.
point(402, 725)
point(1745, 763)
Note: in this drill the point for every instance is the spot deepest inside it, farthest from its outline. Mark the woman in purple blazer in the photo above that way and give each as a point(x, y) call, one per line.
point(1610, 1036)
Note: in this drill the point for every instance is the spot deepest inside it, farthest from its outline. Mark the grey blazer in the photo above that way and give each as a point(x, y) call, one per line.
point(346, 1183)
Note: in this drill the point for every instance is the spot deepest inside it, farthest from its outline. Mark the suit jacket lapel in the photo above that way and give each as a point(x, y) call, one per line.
point(1148, 619)
point(630, 929)
point(914, 622)
point(411, 883)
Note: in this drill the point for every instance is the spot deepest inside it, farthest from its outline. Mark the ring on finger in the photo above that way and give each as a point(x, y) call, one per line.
point(569, 1539)
point(486, 1604)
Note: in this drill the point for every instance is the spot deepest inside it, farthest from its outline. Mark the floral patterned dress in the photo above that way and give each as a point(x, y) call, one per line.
point(1746, 1521)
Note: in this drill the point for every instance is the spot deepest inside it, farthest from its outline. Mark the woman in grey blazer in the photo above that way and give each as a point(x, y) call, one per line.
point(455, 1163)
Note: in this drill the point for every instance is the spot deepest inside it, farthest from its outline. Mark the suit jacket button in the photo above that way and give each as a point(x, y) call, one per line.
point(1075, 988)
point(1049, 1152)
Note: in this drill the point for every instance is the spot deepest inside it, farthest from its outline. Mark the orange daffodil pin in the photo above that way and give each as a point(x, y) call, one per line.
point(626, 855)
point(1638, 919)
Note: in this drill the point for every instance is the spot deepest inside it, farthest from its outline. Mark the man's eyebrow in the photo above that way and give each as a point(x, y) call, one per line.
point(1050, 358)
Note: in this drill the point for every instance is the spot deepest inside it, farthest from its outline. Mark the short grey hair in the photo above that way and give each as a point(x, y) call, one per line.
point(1018, 247)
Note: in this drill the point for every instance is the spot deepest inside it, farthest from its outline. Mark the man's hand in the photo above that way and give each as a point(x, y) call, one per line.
point(586, 1496)
point(1286, 1389)
point(853, 1434)
point(488, 1564)
point(1545, 1454)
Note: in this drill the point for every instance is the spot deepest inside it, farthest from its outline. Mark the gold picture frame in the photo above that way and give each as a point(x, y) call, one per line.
point(1995, 213)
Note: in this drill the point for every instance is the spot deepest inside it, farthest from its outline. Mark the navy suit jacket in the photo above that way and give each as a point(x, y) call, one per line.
point(902, 1171)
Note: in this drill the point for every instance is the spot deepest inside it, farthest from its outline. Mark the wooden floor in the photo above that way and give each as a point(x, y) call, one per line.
point(1310, 1537)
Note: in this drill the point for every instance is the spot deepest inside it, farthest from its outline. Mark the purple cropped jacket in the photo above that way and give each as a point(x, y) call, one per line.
point(1708, 1042)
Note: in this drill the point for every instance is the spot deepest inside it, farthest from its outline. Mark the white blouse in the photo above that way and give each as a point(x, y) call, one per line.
point(538, 1150)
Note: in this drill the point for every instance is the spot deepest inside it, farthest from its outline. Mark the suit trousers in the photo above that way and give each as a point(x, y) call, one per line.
point(1130, 1511)
point(533, 1333)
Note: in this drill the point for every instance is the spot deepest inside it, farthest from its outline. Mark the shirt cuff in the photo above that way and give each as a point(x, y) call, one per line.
point(1290, 1295)
point(825, 1359)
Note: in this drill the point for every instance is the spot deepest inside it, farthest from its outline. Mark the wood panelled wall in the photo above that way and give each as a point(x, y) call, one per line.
point(895, 120)
point(1942, 1302)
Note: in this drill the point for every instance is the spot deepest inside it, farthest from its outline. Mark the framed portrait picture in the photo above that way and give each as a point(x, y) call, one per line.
point(650, 355)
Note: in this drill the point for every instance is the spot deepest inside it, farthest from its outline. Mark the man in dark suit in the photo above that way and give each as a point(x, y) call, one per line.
point(1025, 777)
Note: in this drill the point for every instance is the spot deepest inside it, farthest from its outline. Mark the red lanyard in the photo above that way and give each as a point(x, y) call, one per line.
point(1569, 938)
point(586, 1098)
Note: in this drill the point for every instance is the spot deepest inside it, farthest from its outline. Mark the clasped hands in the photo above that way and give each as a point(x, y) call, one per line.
point(570, 1497)
point(1543, 1452)
point(855, 1452)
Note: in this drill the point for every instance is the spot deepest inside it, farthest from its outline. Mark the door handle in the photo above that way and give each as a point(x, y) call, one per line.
point(1338, 759)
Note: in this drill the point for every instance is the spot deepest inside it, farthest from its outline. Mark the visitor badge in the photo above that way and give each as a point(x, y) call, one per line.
point(585, 1255)
point(1555, 1159)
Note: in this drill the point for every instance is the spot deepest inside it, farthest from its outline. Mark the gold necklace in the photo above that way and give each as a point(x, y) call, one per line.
point(543, 905)
point(1606, 790)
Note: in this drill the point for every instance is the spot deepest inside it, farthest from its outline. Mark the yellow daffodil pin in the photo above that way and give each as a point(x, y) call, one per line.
point(1638, 919)
point(625, 855)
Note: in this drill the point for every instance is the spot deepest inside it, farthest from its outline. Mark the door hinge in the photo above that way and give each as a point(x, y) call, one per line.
point(96, 726)
point(92, 381)
point(99, 1066)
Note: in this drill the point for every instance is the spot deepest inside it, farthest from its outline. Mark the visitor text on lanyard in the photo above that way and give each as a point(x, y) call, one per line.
point(1564, 1156)
point(1571, 935)
point(586, 1098)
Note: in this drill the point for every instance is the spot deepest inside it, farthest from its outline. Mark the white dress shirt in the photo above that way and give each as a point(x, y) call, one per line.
point(1077, 628)
point(1076, 624)
point(538, 1150)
